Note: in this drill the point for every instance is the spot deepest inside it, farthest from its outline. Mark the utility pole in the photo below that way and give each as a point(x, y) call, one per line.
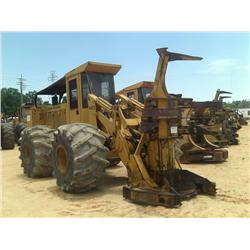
point(52, 77)
point(21, 85)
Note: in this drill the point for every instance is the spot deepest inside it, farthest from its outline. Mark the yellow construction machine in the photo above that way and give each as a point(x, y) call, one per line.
point(88, 127)
point(195, 145)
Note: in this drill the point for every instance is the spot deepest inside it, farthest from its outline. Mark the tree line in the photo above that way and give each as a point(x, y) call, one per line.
point(11, 98)
point(237, 104)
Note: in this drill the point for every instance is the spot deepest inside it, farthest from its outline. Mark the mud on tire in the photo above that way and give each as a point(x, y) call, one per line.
point(7, 136)
point(79, 157)
point(35, 151)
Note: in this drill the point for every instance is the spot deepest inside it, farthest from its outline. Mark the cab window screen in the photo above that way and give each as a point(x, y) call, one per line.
point(73, 94)
point(102, 84)
point(143, 94)
point(105, 89)
point(131, 94)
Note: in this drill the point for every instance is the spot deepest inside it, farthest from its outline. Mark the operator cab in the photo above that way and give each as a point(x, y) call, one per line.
point(142, 90)
point(96, 78)
point(139, 91)
point(71, 91)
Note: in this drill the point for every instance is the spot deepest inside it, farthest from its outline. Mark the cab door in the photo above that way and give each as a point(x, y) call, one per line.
point(73, 93)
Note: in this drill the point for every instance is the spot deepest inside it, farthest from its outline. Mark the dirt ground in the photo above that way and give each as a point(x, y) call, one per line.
point(24, 197)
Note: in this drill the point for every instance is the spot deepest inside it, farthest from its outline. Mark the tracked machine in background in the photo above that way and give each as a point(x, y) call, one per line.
point(93, 128)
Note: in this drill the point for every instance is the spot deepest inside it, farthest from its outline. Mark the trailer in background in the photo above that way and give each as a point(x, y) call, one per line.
point(245, 112)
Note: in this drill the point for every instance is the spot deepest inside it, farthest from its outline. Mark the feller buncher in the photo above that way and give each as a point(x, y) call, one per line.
point(221, 118)
point(194, 145)
point(77, 139)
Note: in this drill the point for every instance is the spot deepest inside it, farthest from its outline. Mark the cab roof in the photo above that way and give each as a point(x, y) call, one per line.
point(95, 67)
point(143, 84)
point(59, 86)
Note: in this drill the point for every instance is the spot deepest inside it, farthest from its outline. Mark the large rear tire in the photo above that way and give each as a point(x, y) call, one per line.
point(79, 157)
point(35, 151)
point(7, 136)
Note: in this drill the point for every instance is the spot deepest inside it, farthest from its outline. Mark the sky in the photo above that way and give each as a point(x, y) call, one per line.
point(225, 63)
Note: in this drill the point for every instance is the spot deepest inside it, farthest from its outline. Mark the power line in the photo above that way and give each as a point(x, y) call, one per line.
point(52, 77)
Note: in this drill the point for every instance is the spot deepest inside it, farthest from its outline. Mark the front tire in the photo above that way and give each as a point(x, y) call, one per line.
point(79, 157)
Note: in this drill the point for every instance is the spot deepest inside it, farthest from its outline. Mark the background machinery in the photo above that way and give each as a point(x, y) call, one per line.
point(11, 128)
point(195, 145)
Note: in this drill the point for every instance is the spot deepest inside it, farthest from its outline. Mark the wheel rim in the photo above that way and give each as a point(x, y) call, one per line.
point(27, 153)
point(61, 156)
